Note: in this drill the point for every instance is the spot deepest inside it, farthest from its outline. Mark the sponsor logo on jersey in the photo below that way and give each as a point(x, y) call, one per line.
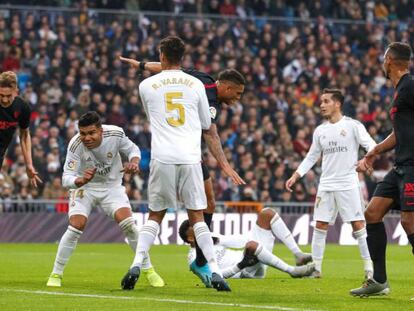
point(409, 190)
point(4, 125)
point(213, 112)
point(109, 155)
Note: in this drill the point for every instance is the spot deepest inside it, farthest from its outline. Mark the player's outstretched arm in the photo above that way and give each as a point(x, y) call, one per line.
point(214, 145)
point(26, 144)
point(88, 175)
point(132, 167)
point(153, 67)
point(365, 164)
point(291, 181)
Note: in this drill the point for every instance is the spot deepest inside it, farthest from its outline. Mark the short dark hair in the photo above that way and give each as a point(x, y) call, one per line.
point(400, 51)
point(90, 118)
point(336, 95)
point(173, 49)
point(232, 75)
point(182, 231)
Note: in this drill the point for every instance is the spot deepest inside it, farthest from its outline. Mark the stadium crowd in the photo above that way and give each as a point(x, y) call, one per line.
point(370, 10)
point(68, 64)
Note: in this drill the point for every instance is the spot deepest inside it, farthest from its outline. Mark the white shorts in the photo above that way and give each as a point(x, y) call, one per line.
point(81, 201)
point(348, 203)
point(169, 183)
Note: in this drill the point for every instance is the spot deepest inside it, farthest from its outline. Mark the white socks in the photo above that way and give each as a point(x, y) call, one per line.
point(361, 237)
point(318, 247)
point(146, 238)
point(272, 260)
point(130, 230)
point(205, 242)
point(230, 271)
point(66, 247)
point(281, 231)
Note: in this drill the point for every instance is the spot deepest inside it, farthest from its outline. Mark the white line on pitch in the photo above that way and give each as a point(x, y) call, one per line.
point(221, 304)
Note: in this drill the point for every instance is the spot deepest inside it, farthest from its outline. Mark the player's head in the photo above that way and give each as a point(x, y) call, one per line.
point(172, 50)
point(396, 57)
point(186, 232)
point(90, 129)
point(331, 102)
point(230, 86)
point(8, 88)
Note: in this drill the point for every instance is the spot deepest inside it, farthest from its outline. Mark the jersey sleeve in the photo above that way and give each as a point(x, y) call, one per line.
point(24, 117)
point(71, 169)
point(312, 156)
point(128, 148)
point(203, 108)
point(363, 137)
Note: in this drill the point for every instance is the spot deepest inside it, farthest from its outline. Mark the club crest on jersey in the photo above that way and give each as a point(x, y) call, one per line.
point(213, 112)
point(71, 165)
point(343, 133)
point(109, 155)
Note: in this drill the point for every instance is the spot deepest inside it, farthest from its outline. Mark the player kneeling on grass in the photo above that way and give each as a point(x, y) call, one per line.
point(93, 172)
point(258, 245)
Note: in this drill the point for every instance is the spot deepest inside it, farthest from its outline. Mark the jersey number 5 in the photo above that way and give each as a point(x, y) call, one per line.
point(170, 107)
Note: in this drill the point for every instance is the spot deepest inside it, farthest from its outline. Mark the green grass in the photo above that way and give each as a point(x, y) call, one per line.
point(98, 268)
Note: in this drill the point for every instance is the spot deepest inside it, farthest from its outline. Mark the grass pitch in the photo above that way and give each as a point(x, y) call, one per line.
point(92, 282)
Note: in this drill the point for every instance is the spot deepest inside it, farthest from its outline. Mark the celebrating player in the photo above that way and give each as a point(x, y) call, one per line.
point(396, 191)
point(338, 140)
point(15, 112)
point(93, 171)
point(226, 90)
point(177, 108)
point(258, 246)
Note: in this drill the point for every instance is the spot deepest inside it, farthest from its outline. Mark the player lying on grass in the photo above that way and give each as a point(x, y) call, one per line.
point(93, 172)
point(258, 244)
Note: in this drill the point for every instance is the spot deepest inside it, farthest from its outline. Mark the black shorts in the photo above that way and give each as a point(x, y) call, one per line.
point(398, 185)
point(206, 173)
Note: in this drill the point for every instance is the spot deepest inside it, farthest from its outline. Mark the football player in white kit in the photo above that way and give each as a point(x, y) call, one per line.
point(338, 140)
point(258, 246)
point(93, 172)
point(177, 107)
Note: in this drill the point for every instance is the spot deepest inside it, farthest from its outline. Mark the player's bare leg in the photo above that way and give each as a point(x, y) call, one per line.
point(377, 244)
point(199, 266)
point(318, 246)
point(127, 223)
point(203, 237)
point(407, 221)
point(146, 239)
point(268, 219)
point(66, 247)
point(360, 234)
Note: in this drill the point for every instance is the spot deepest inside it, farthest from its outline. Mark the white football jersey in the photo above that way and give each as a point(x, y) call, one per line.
point(177, 108)
point(339, 144)
point(226, 257)
point(106, 158)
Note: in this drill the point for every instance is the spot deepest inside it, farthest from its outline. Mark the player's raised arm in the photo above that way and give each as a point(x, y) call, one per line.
point(153, 67)
point(308, 162)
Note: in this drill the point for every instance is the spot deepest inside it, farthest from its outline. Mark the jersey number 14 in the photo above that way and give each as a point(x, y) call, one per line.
point(179, 119)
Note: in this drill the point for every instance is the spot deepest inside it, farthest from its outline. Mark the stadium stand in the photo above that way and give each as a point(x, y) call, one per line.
point(67, 63)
